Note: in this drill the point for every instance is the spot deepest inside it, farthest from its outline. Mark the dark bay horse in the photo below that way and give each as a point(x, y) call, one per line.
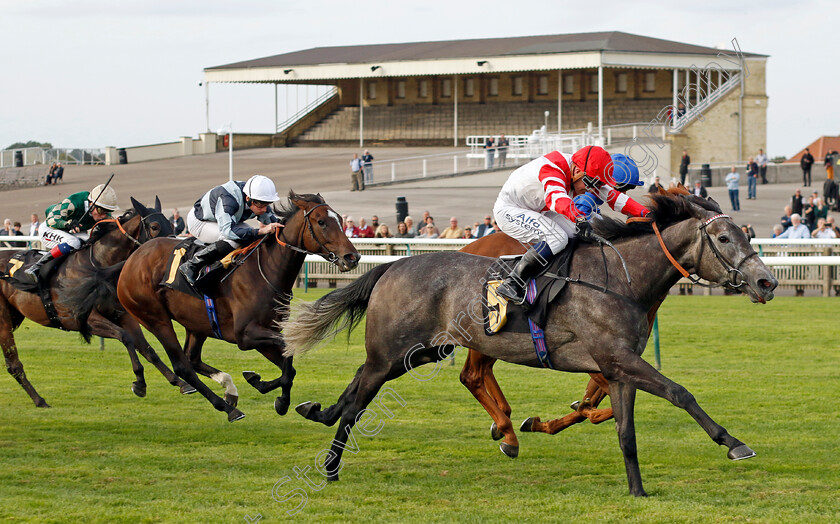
point(110, 242)
point(249, 304)
point(477, 375)
point(587, 331)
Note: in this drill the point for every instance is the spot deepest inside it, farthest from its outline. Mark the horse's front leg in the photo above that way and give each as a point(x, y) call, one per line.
point(192, 348)
point(269, 344)
point(629, 368)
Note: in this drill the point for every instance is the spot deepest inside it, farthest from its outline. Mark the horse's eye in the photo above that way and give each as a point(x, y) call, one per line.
point(723, 239)
point(321, 222)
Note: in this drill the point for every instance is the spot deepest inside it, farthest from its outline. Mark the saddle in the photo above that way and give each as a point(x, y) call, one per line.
point(14, 272)
point(500, 315)
point(209, 277)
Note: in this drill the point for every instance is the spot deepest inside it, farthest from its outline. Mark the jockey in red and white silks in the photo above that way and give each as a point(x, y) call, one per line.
point(536, 205)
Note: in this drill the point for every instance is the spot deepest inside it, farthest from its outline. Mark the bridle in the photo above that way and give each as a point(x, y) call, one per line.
point(329, 257)
point(735, 277)
point(144, 236)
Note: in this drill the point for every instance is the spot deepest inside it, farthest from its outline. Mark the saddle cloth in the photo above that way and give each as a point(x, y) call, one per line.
point(500, 315)
point(208, 277)
point(14, 272)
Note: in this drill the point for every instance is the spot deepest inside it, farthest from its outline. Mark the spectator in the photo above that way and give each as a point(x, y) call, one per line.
point(748, 231)
point(656, 186)
point(7, 228)
point(358, 184)
point(699, 190)
point(503, 149)
point(350, 228)
point(829, 164)
point(809, 212)
point(777, 230)
point(489, 151)
point(468, 232)
point(374, 222)
point(486, 228)
point(402, 231)
point(411, 228)
point(797, 229)
point(383, 232)
point(829, 222)
point(680, 110)
point(430, 221)
point(453, 231)
point(732, 185)
point(33, 225)
point(822, 230)
point(752, 178)
point(367, 160)
point(786, 223)
point(684, 162)
point(761, 160)
point(820, 209)
point(805, 163)
point(365, 231)
point(59, 173)
point(797, 202)
point(18, 233)
point(423, 221)
point(50, 174)
point(177, 222)
point(430, 231)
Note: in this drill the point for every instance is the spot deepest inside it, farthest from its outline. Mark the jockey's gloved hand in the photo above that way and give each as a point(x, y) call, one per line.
point(584, 231)
point(587, 204)
point(73, 226)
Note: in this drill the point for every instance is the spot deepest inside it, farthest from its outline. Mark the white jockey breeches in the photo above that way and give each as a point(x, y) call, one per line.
point(527, 225)
point(206, 230)
point(52, 237)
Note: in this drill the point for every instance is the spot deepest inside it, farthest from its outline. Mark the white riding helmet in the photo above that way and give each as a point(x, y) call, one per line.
point(260, 187)
point(104, 197)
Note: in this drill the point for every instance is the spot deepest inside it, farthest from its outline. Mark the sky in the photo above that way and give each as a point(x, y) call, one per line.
point(96, 73)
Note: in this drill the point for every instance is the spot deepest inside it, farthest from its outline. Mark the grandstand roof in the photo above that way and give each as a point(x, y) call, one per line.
point(526, 53)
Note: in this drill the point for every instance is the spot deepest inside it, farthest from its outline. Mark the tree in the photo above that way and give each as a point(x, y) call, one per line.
point(30, 143)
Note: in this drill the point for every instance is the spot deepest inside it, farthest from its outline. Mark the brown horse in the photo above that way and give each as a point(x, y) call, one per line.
point(111, 241)
point(249, 304)
point(478, 377)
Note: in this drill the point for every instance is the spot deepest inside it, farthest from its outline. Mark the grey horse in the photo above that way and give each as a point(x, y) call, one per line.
point(588, 330)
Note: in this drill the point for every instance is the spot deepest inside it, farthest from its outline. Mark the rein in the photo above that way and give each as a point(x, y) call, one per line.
point(144, 227)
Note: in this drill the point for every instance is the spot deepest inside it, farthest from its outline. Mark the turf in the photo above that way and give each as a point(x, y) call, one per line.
point(769, 374)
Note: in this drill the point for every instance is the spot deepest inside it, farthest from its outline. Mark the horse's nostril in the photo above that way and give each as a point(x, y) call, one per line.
point(766, 284)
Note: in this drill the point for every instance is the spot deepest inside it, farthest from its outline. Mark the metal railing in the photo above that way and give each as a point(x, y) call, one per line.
point(32, 156)
point(323, 99)
point(708, 98)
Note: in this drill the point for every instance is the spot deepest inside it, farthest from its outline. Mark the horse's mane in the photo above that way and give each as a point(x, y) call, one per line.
point(100, 229)
point(286, 210)
point(666, 208)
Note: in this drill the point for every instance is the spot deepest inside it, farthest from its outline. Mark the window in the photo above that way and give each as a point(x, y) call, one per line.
point(422, 89)
point(593, 82)
point(371, 90)
point(401, 89)
point(621, 83)
point(650, 82)
point(516, 88)
point(446, 87)
point(469, 87)
point(542, 85)
point(568, 84)
point(493, 87)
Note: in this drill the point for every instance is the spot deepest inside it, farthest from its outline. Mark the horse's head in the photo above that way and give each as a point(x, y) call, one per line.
point(323, 232)
point(148, 223)
point(723, 253)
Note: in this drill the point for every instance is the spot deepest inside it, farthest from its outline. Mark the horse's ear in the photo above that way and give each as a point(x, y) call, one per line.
point(140, 208)
point(157, 203)
point(292, 195)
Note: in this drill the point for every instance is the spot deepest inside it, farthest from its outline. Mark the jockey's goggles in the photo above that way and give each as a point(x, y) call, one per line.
point(101, 210)
point(260, 203)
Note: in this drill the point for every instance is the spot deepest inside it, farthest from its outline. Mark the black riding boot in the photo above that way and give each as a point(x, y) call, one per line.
point(529, 266)
point(212, 253)
point(35, 268)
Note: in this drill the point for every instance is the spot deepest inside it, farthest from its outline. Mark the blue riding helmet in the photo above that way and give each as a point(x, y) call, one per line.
point(625, 173)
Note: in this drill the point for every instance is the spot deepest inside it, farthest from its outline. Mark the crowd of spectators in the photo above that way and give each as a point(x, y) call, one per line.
point(806, 218)
point(426, 228)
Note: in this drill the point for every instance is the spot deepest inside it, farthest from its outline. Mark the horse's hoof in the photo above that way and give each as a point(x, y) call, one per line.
point(281, 406)
point(252, 377)
point(528, 424)
point(740, 453)
point(495, 433)
point(139, 389)
point(42, 404)
point(305, 408)
point(186, 389)
point(235, 415)
point(510, 451)
point(232, 400)
point(332, 478)
point(575, 405)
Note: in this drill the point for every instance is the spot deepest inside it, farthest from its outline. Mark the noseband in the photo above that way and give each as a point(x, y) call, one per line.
point(735, 275)
point(144, 236)
point(329, 257)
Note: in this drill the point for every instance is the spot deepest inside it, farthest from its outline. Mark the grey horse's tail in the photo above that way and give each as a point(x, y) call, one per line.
point(96, 288)
point(329, 315)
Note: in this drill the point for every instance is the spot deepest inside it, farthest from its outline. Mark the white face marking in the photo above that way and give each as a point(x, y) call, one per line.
point(334, 215)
